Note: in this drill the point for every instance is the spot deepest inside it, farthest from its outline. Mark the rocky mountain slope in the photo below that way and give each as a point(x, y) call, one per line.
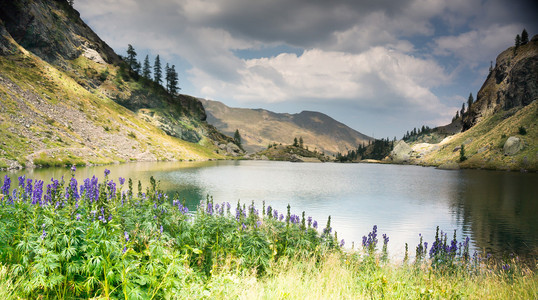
point(500, 131)
point(64, 99)
point(260, 128)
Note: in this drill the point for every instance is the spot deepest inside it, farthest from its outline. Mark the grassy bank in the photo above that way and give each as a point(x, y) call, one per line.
point(114, 239)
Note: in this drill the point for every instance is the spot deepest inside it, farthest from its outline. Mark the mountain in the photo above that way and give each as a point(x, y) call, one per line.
point(499, 131)
point(259, 128)
point(66, 97)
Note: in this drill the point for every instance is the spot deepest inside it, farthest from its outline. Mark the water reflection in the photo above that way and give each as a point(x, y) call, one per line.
point(500, 209)
point(496, 209)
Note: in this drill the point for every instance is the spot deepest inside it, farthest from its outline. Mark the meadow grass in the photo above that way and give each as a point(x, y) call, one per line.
point(101, 240)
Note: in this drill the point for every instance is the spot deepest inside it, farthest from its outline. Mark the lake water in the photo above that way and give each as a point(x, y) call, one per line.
point(497, 210)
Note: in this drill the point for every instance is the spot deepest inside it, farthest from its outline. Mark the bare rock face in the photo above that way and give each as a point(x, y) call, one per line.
point(401, 152)
point(512, 146)
point(511, 84)
point(52, 30)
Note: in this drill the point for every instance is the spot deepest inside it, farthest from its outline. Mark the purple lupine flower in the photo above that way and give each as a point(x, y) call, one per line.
point(244, 226)
point(22, 180)
point(161, 229)
point(364, 240)
point(506, 267)
point(281, 217)
point(124, 249)
point(315, 224)
point(6, 186)
point(385, 239)
point(259, 223)
point(269, 209)
point(73, 168)
point(38, 192)
point(28, 189)
point(309, 221)
point(112, 189)
point(78, 217)
point(228, 206)
point(121, 180)
point(107, 172)
point(275, 214)
point(44, 232)
point(126, 235)
point(342, 243)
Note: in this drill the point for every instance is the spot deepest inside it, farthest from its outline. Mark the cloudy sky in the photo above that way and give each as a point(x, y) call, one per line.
point(381, 67)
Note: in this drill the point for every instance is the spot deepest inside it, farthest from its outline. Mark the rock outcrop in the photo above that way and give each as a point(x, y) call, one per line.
point(512, 83)
point(401, 153)
point(512, 145)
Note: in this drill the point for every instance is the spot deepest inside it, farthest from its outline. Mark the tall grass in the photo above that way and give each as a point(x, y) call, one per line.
point(108, 240)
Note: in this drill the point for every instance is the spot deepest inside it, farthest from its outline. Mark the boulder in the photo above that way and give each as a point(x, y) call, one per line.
point(296, 158)
point(512, 145)
point(401, 152)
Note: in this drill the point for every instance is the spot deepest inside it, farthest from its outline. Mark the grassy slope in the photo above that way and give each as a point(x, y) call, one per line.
point(285, 152)
point(31, 133)
point(489, 136)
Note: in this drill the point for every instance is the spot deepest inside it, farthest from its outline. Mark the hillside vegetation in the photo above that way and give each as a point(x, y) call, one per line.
point(499, 131)
point(260, 128)
point(65, 100)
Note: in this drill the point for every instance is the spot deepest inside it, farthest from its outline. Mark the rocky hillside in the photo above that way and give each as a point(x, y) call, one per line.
point(500, 131)
point(64, 99)
point(513, 83)
point(260, 128)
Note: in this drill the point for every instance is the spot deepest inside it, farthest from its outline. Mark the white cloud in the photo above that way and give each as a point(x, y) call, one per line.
point(378, 78)
point(476, 46)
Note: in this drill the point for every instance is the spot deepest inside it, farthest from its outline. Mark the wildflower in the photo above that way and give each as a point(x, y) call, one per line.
point(126, 235)
point(244, 226)
point(78, 217)
point(6, 186)
point(73, 169)
point(281, 217)
point(121, 180)
point(315, 224)
point(259, 223)
point(44, 232)
point(124, 249)
point(107, 172)
point(342, 243)
point(506, 267)
point(161, 229)
point(309, 221)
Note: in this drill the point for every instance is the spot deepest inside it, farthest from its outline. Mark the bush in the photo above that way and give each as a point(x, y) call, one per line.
point(522, 130)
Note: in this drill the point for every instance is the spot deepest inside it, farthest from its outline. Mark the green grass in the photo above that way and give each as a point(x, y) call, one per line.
point(124, 244)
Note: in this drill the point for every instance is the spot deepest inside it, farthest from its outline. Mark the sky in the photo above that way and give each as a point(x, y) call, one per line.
point(381, 67)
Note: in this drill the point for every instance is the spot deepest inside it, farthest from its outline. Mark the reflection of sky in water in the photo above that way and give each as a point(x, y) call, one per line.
point(402, 200)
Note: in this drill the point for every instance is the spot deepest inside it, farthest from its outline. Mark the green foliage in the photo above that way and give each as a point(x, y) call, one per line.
point(462, 153)
point(237, 139)
point(108, 243)
point(522, 130)
point(524, 37)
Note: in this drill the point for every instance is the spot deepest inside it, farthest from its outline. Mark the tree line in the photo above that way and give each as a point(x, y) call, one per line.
point(377, 149)
point(137, 70)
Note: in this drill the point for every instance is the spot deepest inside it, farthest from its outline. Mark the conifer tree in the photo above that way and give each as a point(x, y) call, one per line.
point(237, 139)
point(167, 77)
point(462, 112)
point(131, 57)
point(171, 79)
point(470, 101)
point(295, 143)
point(517, 43)
point(301, 142)
point(524, 37)
point(157, 72)
point(146, 70)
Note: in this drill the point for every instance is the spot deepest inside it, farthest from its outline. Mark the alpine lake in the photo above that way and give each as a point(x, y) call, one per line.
point(497, 210)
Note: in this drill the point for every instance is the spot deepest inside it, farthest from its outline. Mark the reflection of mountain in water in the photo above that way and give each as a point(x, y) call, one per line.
point(500, 209)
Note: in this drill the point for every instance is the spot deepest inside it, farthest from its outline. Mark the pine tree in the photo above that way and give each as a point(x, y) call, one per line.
point(470, 101)
point(146, 70)
point(301, 142)
point(172, 78)
point(237, 139)
point(167, 77)
point(157, 72)
point(295, 143)
point(462, 112)
point(524, 37)
point(131, 57)
point(517, 43)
